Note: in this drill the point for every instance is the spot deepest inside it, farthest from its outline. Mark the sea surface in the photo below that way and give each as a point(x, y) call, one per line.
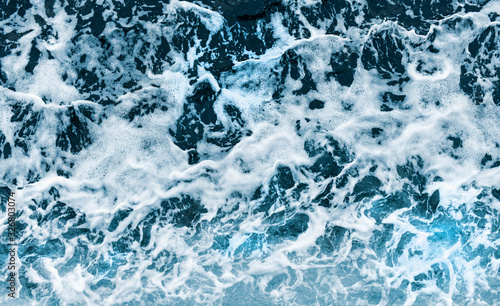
point(251, 152)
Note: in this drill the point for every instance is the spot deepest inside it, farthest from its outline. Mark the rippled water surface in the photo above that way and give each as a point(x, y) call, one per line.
point(251, 152)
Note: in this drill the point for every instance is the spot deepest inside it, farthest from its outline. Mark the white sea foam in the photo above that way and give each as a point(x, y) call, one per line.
point(136, 166)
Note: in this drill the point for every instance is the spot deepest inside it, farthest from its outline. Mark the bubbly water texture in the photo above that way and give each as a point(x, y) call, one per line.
point(252, 152)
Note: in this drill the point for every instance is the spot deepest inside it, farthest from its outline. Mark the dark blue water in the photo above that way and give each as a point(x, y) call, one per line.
point(245, 152)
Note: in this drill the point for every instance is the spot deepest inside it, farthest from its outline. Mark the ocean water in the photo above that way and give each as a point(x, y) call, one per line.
point(251, 152)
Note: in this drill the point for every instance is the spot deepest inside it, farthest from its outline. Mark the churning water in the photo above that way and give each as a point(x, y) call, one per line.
point(251, 152)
